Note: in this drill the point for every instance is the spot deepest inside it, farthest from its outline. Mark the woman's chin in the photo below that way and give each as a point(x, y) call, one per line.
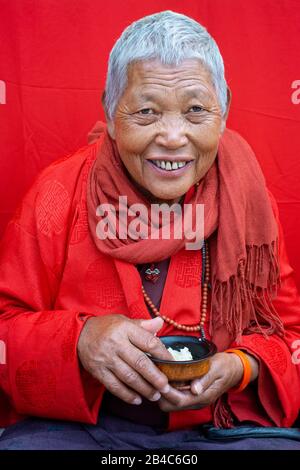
point(167, 197)
point(159, 191)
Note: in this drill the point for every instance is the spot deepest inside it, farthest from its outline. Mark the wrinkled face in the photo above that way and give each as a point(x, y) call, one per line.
point(167, 127)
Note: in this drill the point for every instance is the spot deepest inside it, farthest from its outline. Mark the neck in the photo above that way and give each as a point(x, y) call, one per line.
point(169, 202)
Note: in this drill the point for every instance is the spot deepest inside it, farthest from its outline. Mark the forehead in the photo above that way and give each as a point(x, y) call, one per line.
point(153, 74)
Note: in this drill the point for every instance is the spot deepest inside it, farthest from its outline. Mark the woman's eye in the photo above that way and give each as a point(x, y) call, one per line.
point(146, 111)
point(196, 109)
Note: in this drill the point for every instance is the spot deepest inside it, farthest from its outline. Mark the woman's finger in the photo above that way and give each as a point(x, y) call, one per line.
point(147, 342)
point(179, 400)
point(118, 388)
point(199, 386)
point(217, 371)
point(142, 364)
point(134, 380)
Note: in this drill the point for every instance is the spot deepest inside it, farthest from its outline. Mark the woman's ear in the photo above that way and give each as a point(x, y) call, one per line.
point(109, 122)
point(111, 128)
point(224, 118)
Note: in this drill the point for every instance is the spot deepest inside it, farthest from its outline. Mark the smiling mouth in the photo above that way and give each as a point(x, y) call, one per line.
point(169, 166)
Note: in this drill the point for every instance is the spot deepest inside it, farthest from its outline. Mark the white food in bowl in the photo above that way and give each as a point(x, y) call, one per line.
point(184, 354)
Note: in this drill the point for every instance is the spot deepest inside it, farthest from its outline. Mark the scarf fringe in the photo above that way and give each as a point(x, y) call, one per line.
point(244, 301)
point(222, 416)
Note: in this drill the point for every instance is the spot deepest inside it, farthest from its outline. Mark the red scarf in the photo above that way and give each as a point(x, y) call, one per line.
point(238, 219)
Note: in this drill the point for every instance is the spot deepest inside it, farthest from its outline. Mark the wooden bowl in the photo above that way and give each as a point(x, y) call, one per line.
point(180, 373)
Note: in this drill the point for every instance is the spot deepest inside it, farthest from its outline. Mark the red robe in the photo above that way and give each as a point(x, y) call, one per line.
point(52, 278)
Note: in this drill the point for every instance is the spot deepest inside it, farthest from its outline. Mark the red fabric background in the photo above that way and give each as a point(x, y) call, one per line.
point(53, 58)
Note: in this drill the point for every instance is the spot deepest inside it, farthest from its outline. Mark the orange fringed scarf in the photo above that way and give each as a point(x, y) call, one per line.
point(238, 219)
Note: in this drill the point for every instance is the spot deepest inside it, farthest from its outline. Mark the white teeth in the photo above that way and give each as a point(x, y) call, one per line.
point(166, 165)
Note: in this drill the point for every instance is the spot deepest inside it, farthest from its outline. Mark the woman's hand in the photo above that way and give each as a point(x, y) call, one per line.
point(112, 349)
point(226, 371)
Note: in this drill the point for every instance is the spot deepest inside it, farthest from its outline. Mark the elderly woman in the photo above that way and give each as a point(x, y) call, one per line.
point(84, 302)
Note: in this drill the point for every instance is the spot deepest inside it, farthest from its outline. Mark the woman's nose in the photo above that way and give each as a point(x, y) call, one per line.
point(172, 134)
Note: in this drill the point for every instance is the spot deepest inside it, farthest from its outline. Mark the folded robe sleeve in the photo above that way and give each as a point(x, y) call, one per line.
point(275, 397)
point(42, 375)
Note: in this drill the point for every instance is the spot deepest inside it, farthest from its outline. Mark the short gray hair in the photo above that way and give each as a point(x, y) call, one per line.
point(169, 37)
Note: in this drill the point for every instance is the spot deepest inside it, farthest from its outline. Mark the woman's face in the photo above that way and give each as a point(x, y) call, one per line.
point(167, 127)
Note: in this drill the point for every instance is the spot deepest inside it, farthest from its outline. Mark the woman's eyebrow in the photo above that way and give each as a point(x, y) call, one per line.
point(194, 93)
point(147, 97)
point(187, 93)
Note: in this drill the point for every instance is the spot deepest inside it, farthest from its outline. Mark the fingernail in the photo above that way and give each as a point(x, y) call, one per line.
point(137, 401)
point(166, 389)
point(156, 396)
point(198, 388)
